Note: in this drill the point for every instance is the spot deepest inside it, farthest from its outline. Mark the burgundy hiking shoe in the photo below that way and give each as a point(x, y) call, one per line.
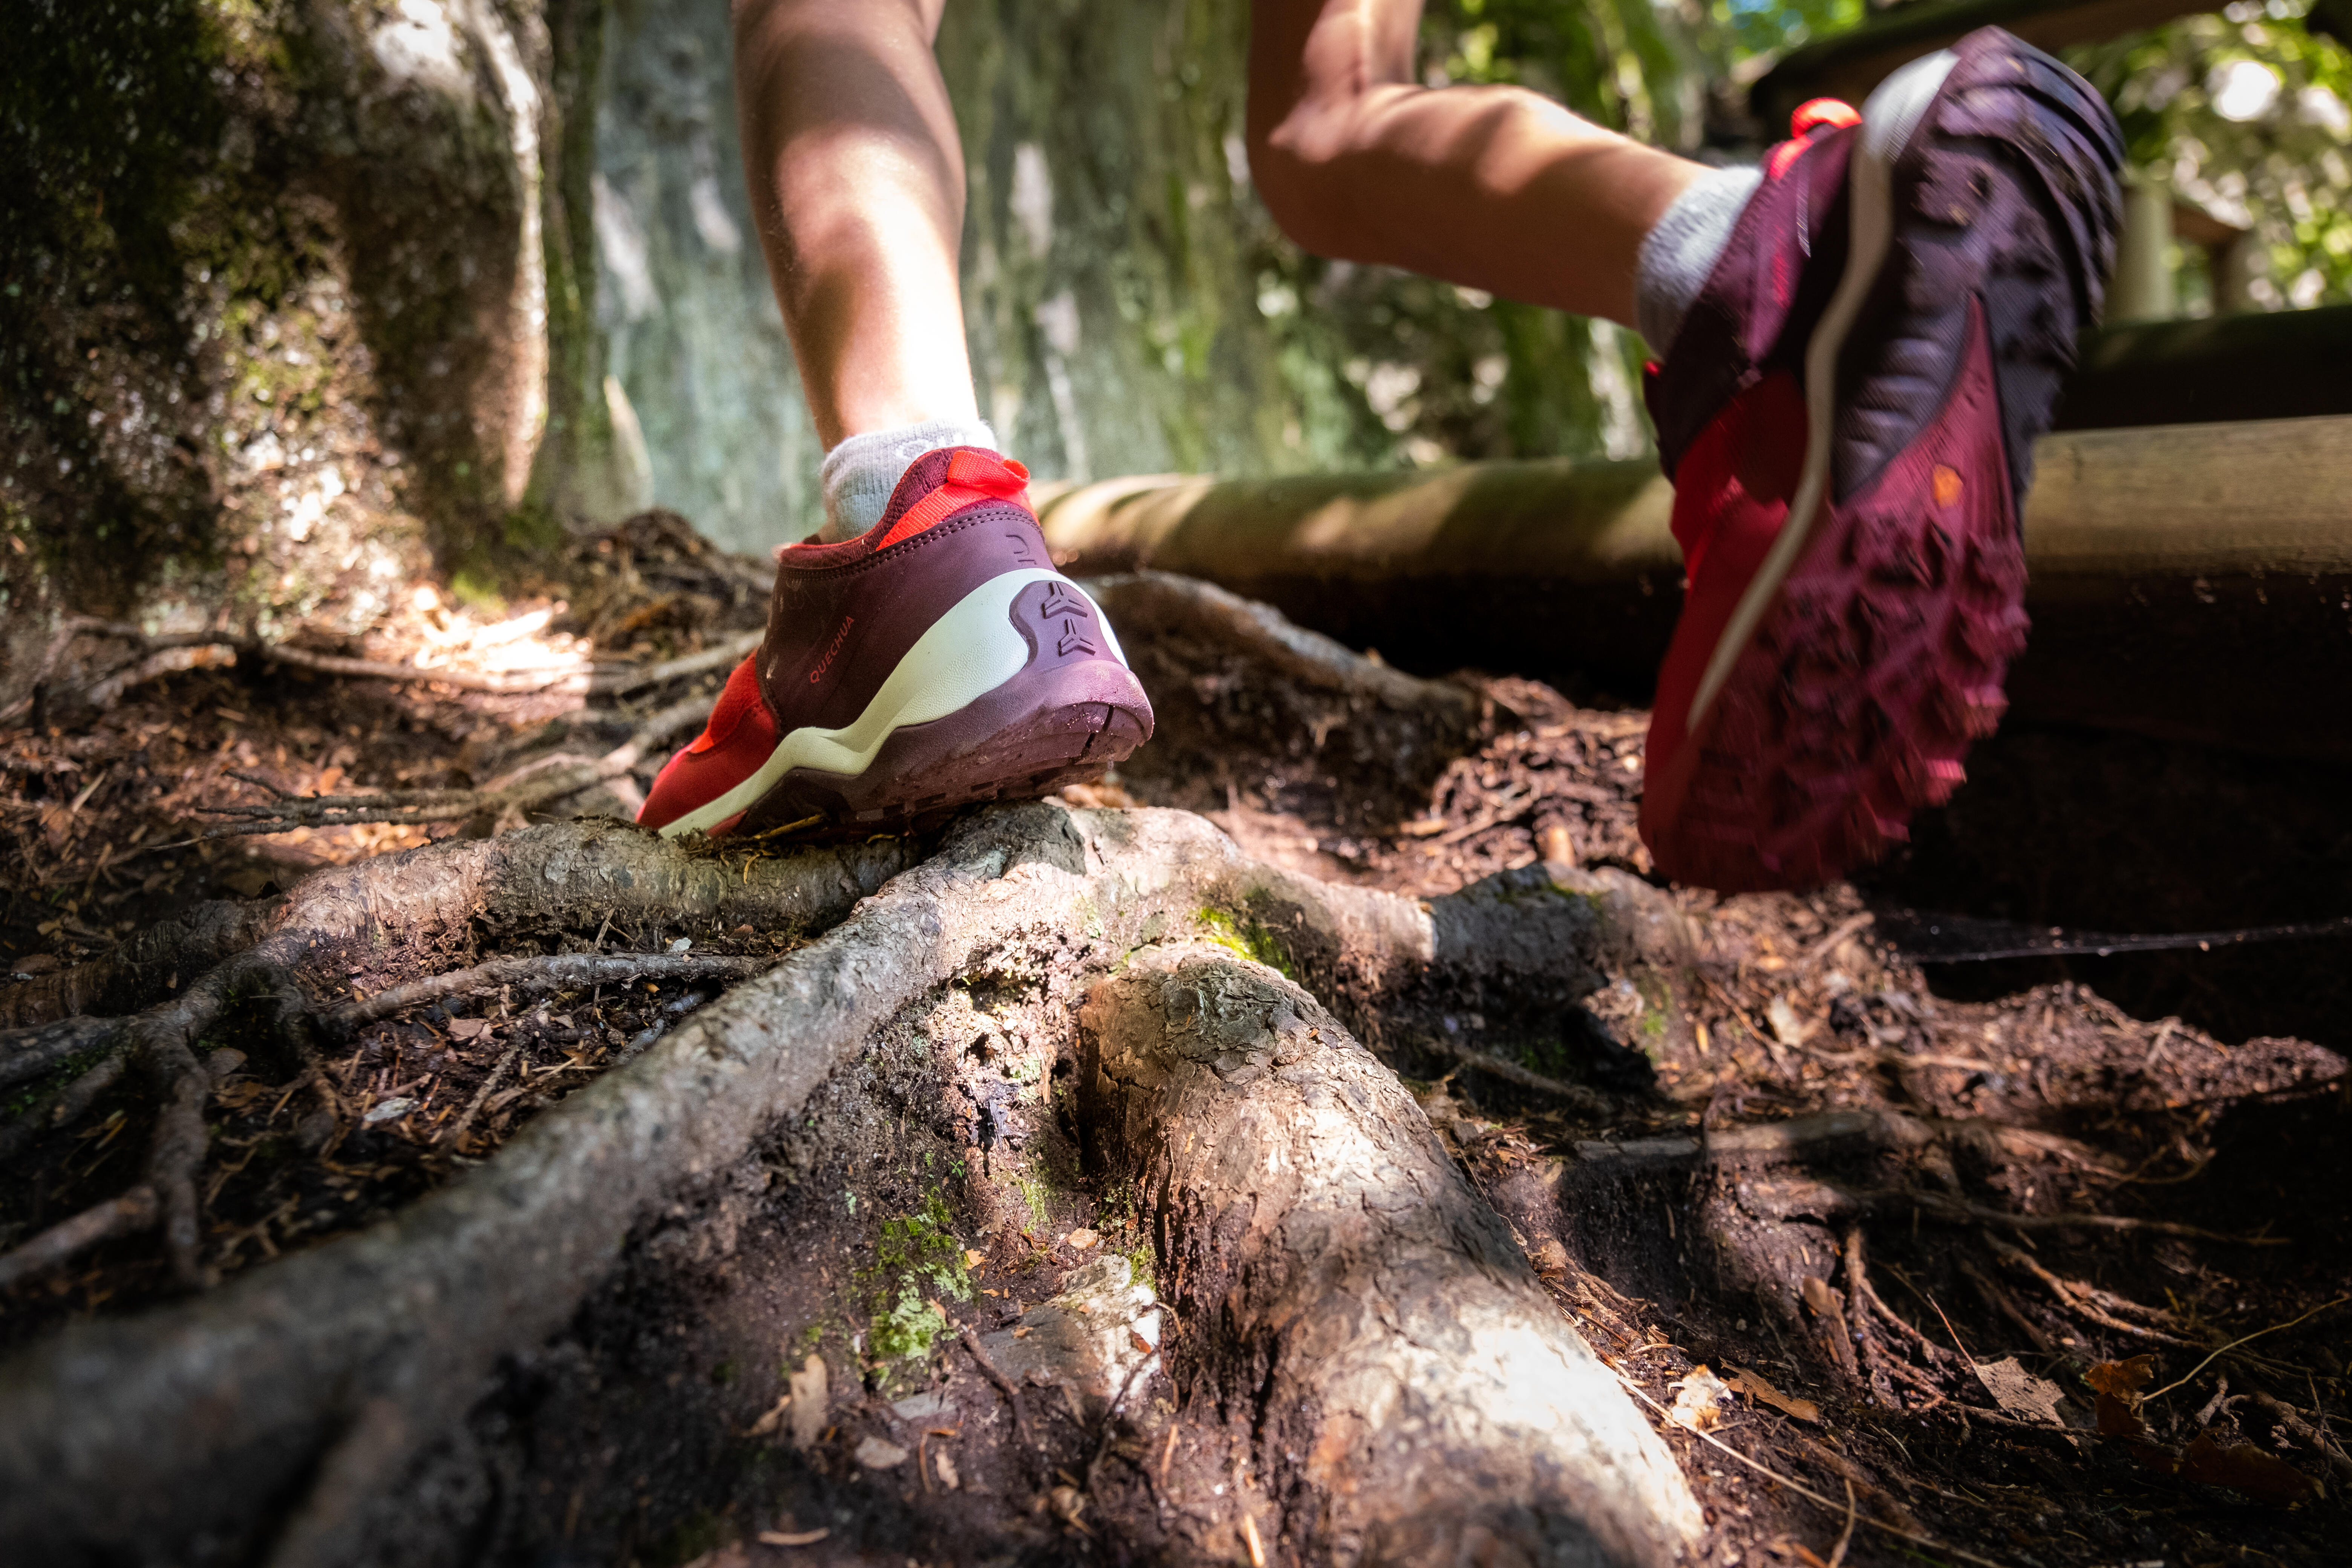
point(935, 659)
point(1848, 414)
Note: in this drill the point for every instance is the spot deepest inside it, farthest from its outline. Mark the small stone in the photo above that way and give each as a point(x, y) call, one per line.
point(391, 1109)
point(877, 1455)
point(923, 1407)
point(946, 1467)
point(1081, 1239)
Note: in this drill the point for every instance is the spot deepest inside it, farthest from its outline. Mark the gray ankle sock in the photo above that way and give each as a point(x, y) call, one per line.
point(859, 475)
point(1678, 253)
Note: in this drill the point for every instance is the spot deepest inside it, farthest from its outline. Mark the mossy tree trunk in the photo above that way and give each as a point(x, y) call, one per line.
point(294, 305)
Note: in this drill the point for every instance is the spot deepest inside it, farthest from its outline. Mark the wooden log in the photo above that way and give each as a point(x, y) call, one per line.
point(2176, 572)
point(2279, 365)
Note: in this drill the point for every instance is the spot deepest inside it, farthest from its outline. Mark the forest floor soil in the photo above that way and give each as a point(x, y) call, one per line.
point(1887, 1234)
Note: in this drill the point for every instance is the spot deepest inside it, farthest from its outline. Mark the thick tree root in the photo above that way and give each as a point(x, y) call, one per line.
point(410, 904)
point(374, 1344)
point(29, 1053)
point(171, 652)
point(1417, 1396)
point(564, 971)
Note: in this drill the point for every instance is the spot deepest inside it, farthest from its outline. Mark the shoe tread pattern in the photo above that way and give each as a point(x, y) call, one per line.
point(2006, 195)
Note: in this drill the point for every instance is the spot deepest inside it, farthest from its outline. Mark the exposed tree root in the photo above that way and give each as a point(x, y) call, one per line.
point(529, 975)
point(372, 1345)
point(1416, 1394)
point(408, 904)
point(503, 804)
point(1235, 673)
point(133, 1212)
point(165, 654)
point(29, 1053)
point(1574, 1095)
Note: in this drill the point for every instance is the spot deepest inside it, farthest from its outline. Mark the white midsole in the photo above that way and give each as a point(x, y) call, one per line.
point(966, 654)
point(1888, 117)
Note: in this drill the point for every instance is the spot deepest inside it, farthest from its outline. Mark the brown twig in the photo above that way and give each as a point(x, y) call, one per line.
point(1858, 1318)
point(178, 1151)
point(1110, 1416)
point(619, 682)
point(2241, 1338)
point(1004, 1385)
point(1846, 1536)
point(62, 1108)
point(455, 1135)
point(168, 653)
point(1800, 1488)
point(2002, 1302)
point(1959, 1211)
point(1823, 948)
point(504, 805)
point(529, 975)
point(2084, 1299)
point(1578, 1097)
point(2288, 1416)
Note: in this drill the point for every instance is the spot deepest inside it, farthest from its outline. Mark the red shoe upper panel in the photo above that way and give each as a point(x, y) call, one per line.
point(836, 631)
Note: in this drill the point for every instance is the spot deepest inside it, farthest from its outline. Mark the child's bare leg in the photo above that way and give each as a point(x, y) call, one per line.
point(1856, 346)
point(857, 183)
point(922, 652)
point(1493, 187)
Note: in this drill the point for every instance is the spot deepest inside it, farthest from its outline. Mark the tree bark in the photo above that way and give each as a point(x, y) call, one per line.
point(1417, 1396)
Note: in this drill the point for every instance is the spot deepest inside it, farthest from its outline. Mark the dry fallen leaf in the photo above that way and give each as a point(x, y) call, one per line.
point(973, 1260)
point(2124, 1379)
point(2242, 1468)
point(468, 1028)
point(2117, 1384)
point(2019, 1392)
point(1698, 1400)
point(1753, 1384)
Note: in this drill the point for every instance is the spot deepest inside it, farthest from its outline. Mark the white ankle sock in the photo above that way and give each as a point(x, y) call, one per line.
point(1678, 253)
point(859, 475)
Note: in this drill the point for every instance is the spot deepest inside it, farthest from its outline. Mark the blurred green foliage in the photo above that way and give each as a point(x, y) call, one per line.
point(2248, 114)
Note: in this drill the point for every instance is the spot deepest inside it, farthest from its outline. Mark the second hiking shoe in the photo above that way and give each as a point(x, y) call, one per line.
point(1848, 414)
point(936, 659)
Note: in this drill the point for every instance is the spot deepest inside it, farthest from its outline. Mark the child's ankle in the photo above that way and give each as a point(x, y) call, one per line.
point(860, 473)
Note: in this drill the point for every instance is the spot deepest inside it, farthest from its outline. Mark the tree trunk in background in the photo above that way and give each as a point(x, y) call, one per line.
point(306, 298)
point(292, 308)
